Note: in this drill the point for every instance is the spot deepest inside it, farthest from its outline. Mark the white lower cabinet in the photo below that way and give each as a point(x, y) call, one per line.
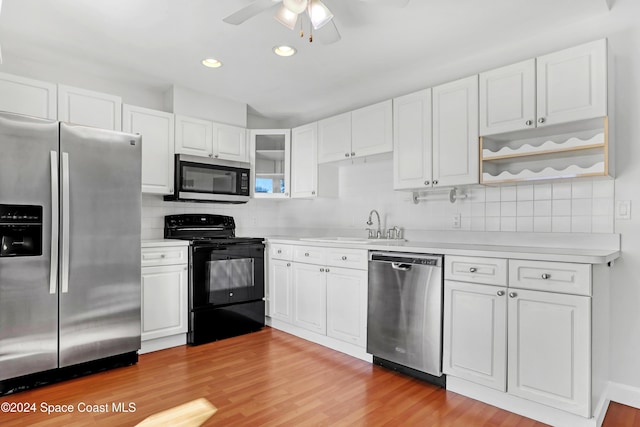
point(164, 297)
point(475, 333)
point(320, 290)
point(528, 343)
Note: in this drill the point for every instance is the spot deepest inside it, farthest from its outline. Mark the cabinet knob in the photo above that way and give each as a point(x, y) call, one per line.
point(541, 120)
point(427, 183)
point(163, 256)
point(322, 270)
point(500, 293)
point(353, 153)
point(546, 276)
point(513, 294)
point(313, 193)
point(286, 194)
point(528, 122)
point(230, 294)
point(344, 257)
point(216, 156)
point(279, 251)
point(472, 270)
point(288, 264)
point(210, 155)
point(435, 182)
point(346, 154)
point(326, 269)
point(306, 254)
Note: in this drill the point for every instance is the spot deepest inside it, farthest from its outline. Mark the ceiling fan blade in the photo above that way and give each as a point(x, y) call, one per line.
point(391, 3)
point(249, 11)
point(328, 34)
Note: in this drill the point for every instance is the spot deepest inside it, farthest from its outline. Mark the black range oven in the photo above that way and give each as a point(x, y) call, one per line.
point(226, 277)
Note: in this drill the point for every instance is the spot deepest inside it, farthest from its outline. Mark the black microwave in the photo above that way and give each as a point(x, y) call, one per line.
point(199, 179)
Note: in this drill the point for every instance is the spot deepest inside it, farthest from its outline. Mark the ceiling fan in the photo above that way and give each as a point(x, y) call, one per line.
point(287, 14)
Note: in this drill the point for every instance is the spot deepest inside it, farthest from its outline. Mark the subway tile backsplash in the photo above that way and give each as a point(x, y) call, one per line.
point(569, 206)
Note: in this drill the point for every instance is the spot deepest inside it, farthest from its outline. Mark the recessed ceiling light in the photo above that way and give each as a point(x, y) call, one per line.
point(211, 63)
point(284, 51)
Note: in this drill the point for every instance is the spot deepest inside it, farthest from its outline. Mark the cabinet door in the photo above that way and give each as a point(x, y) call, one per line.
point(455, 133)
point(304, 161)
point(156, 128)
point(27, 96)
point(270, 156)
point(310, 297)
point(549, 338)
point(280, 292)
point(372, 129)
point(334, 138)
point(164, 301)
point(475, 333)
point(347, 305)
point(194, 136)
point(572, 84)
point(229, 143)
point(412, 141)
point(89, 108)
point(507, 98)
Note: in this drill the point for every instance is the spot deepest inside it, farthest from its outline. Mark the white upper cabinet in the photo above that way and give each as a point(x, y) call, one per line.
point(455, 133)
point(507, 98)
point(204, 138)
point(412, 158)
point(270, 153)
point(304, 161)
point(334, 138)
point(561, 87)
point(372, 129)
point(229, 143)
point(572, 84)
point(362, 132)
point(156, 128)
point(27, 96)
point(89, 108)
point(194, 136)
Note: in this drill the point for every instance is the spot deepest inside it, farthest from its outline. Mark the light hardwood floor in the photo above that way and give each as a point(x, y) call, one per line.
point(268, 378)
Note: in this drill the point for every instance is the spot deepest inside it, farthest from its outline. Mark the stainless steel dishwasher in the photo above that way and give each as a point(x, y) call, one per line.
point(404, 315)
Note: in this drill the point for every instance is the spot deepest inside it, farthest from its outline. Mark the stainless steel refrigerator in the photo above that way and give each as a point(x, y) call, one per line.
point(70, 201)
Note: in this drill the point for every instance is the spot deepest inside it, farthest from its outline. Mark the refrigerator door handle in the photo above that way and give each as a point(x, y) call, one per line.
point(65, 223)
point(55, 226)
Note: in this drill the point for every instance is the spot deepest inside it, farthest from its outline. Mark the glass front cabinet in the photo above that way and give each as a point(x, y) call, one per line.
point(270, 162)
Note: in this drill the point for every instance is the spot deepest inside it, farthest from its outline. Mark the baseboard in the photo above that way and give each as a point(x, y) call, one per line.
point(624, 394)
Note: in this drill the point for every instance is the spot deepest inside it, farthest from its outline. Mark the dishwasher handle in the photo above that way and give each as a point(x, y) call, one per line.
point(400, 266)
point(403, 259)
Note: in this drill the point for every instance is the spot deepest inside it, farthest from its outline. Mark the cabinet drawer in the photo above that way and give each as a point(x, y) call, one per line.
point(280, 251)
point(347, 258)
point(165, 255)
point(560, 277)
point(310, 254)
point(488, 271)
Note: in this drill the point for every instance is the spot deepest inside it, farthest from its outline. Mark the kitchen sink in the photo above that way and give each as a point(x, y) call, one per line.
point(361, 240)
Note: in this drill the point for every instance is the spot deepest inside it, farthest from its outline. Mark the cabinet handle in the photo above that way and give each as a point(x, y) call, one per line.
point(513, 294)
point(546, 276)
point(344, 258)
point(541, 120)
point(472, 270)
point(346, 154)
point(500, 293)
point(435, 182)
point(322, 270)
point(427, 183)
point(528, 122)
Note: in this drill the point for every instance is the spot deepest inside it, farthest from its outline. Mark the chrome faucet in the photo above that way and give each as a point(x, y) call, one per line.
point(370, 222)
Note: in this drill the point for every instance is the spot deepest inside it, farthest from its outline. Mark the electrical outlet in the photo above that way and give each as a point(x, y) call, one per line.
point(456, 221)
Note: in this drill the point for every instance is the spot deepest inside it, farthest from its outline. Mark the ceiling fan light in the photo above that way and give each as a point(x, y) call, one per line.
point(319, 14)
point(295, 6)
point(286, 17)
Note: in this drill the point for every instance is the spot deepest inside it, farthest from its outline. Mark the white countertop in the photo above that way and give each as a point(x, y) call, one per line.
point(164, 242)
point(524, 251)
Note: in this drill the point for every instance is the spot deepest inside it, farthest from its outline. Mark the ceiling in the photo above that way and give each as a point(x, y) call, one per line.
point(157, 43)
